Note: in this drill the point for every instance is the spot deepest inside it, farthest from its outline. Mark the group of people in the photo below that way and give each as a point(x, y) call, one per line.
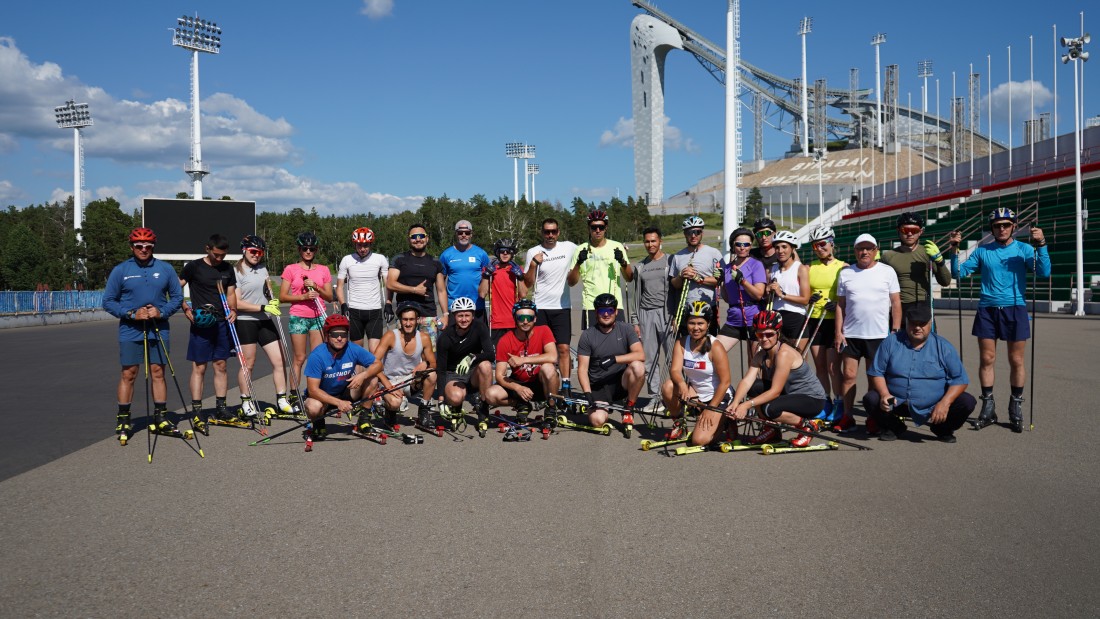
point(470, 318)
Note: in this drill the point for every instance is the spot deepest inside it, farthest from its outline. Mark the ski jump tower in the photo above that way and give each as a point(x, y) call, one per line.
point(650, 41)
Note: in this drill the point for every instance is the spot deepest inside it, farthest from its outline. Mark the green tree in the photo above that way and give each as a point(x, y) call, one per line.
point(23, 263)
point(754, 205)
point(106, 230)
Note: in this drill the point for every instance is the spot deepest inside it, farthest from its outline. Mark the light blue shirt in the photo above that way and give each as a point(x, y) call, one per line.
point(918, 377)
point(1004, 271)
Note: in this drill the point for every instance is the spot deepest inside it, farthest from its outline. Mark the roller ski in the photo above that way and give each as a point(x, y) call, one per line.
point(317, 431)
point(285, 408)
point(363, 429)
point(771, 448)
point(678, 434)
point(222, 417)
point(161, 426)
point(482, 409)
point(514, 431)
point(988, 414)
point(564, 422)
point(123, 429)
point(388, 426)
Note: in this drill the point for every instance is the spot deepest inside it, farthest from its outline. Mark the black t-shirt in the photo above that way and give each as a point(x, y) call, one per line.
point(451, 348)
point(203, 282)
point(768, 261)
point(415, 270)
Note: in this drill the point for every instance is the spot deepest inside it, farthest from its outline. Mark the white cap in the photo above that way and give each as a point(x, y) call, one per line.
point(464, 225)
point(865, 238)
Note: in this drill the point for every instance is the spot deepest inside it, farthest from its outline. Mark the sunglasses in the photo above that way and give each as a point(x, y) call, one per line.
point(340, 334)
point(821, 244)
point(742, 245)
point(311, 248)
point(910, 229)
point(417, 237)
point(766, 335)
point(464, 232)
point(693, 232)
point(765, 232)
point(597, 228)
point(142, 246)
point(506, 251)
point(252, 251)
point(1002, 225)
point(554, 231)
point(606, 311)
point(525, 318)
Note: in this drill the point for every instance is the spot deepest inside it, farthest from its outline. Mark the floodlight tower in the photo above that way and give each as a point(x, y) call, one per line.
point(805, 27)
point(1075, 52)
point(196, 35)
point(75, 116)
point(878, 40)
point(517, 151)
point(532, 171)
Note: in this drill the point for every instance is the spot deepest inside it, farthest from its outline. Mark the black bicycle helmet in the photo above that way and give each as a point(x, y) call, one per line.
point(253, 241)
point(910, 219)
point(763, 223)
point(523, 304)
point(307, 239)
point(605, 300)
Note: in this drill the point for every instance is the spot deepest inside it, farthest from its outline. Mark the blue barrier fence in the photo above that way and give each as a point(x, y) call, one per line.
point(54, 301)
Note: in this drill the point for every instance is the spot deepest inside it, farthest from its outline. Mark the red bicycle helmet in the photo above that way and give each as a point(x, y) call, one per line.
point(142, 235)
point(767, 319)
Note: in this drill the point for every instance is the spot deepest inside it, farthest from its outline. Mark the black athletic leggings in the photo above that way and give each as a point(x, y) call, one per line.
point(804, 406)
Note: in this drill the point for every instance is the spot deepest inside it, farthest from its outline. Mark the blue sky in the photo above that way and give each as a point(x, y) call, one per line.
point(356, 106)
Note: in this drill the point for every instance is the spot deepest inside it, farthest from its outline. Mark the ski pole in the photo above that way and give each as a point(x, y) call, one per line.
point(240, 353)
point(291, 382)
point(1031, 370)
point(151, 445)
point(183, 402)
point(781, 426)
point(814, 298)
point(820, 321)
point(354, 405)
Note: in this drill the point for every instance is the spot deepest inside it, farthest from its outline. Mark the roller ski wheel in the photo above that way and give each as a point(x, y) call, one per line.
point(269, 414)
point(123, 430)
point(167, 428)
point(482, 428)
point(769, 449)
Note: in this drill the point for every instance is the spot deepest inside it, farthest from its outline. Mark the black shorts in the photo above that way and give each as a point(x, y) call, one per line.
point(538, 394)
point(610, 389)
point(365, 323)
point(256, 331)
point(496, 334)
point(861, 349)
point(792, 324)
point(737, 333)
point(826, 335)
point(559, 321)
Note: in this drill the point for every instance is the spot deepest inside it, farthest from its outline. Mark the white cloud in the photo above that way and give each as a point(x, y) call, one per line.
point(9, 193)
point(623, 136)
point(377, 9)
point(1021, 100)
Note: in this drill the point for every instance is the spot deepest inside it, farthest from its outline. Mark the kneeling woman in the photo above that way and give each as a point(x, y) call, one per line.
point(779, 383)
point(700, 369)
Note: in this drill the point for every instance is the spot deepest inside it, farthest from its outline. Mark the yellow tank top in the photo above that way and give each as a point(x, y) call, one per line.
point(823, 281)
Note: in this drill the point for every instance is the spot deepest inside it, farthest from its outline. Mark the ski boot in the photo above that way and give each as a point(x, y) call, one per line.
point(803, 440)
point(767, 436)
point(318, 430)
point(628, 423)
point(390, 417)
point(362, 424)
point(679, 429)
point(482, 409)
point(248, 410)
point(425, 422)
point(826, 411)
point(163, 426)
point(522, 413)
point(123, 429)
point(223, 417)
point(454, 416)
point(566, 387)
point(988, 415)
point(199, 421)
point(845, 424)
point(284, 406)
point(1016, 413)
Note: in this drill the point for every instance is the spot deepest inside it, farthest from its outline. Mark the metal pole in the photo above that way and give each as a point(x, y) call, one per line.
point(196, 130)
point(876, 41)
point(1010, 111)
point(804, 29)
point(939, 162)
point(909, 138)
point(954, 134)
point(1077, 186)
point(78, 212)
point(515, 181)
point(989, 104)
point(1054, 29)
point(731, 209)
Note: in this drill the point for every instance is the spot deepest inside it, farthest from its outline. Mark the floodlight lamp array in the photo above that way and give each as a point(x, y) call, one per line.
point(924, 68)
point(72, 115)
point(197, 34)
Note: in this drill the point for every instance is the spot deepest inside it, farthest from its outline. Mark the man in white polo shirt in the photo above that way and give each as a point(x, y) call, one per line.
point(547, 267)
point(868, 309)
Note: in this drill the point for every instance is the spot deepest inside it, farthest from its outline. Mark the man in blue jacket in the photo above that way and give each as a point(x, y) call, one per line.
point(1002, 307)
point(142, 292)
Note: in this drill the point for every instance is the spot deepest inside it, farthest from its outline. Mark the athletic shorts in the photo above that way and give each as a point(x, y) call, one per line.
point(366, 323)
point(496, 334)
point(538, 394)
point(792, 324)
point(737, 333)
point(826, 335)
point(804, 406)
point(133, 353)
point(432, 326)
point(559, 321)
point(610, 389)
point(209, 343)
point(861, 349)
point(589, 318)
point(1002, 323)
point(300, 325)
point(256, 331)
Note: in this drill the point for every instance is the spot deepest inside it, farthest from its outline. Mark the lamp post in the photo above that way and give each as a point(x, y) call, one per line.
point(1075, 52)
point(805, 26)
point(517, 151)
point(75, 116)
point(924, 71)
point(819, 158)
point(196, 35)
point(532, 170)
point(878, 40)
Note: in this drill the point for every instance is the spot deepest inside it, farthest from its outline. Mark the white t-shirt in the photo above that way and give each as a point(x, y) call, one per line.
point(866, 295)
point(551, 291)
point(362, 279)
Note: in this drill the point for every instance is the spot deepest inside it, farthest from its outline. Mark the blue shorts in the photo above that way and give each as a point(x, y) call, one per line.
point(209, 343)
point(1002, 323)
point(133, 353)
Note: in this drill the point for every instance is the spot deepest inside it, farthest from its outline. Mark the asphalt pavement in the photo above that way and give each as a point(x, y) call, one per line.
point(998, 524)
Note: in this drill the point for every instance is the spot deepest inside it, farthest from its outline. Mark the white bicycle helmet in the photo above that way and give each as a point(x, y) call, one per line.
point(694, 222)
point(463, 304)
point(786, 236)
point(822, 233)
